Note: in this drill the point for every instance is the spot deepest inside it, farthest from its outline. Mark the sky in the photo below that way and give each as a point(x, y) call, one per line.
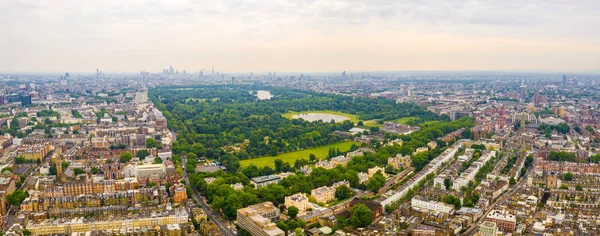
point(299, 35)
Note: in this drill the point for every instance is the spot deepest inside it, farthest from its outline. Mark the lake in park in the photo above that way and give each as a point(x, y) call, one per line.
point(321, 116)
point(264, 95)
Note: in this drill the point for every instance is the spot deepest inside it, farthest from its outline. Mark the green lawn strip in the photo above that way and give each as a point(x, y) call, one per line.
point(291, 157)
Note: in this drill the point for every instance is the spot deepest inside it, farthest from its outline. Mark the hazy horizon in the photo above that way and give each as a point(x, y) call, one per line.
point(288, 36)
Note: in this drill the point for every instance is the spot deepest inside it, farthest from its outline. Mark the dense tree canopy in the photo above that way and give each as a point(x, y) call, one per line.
point(360, 216)
point(562, 156)
point(17, 197)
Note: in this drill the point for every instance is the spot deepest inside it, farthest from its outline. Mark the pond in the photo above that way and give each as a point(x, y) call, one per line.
point(321, 116)
point(264, 95)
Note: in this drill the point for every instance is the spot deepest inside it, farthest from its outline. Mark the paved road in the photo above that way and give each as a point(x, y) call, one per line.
point(214, 217)
point(12, 210)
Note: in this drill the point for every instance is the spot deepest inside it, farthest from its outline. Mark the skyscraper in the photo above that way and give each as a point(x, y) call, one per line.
point(523, 92)
point(25, 100)
point(564, 77)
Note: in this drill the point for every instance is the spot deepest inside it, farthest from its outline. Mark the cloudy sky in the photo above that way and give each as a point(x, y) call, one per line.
point(299, 35)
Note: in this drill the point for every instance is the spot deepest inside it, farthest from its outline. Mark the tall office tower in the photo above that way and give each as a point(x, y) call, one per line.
point(25, 100)
point(564, 77)
point(523, 90)
point(97, 74)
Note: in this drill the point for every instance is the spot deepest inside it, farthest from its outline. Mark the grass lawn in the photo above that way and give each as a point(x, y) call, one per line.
point(291, 157)
point(371, 123)
point(404, 120)
point(353, 118)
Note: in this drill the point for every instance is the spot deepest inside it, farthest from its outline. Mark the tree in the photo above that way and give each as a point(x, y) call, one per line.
point(578, 187)
point(283, 226)
point(375, 182)
point(590, 129)
point(142, 154)
point(512, 181)
point(343, 192)
point(449, 199)
point(293, 212)
point(278, 164)
point(360, 123)
point(53, 170)
point(17, 197)
point(312, 157)
point(341, 222)
point(447, 183)
point(14, 123)
point(157, 161)
point(298, 232)
point(567, 176)
point(151, 143)
point(79, 171)
point(563, 186)
point(65, 165)
point(26, 232)
point(562, 156)
point(7, 169)
point(125, 157)
point(360, 216)
point(562, 128)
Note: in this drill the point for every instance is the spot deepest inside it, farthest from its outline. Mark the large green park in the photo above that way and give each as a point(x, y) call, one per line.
point(246, 135)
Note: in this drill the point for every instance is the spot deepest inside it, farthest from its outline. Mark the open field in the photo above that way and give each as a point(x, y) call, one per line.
point(352, 118)
point(404, 120)
point(291, 157)
point(371, 123)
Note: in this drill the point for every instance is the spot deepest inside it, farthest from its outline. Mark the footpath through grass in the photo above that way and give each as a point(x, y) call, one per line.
point(291, 157)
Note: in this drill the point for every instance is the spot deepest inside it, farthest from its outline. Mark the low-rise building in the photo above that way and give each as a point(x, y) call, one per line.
point(81, 225)
point(326, 194)
point(263, 181)
point(259, 219)
point(505, 221)
point(363, 177)
point(399, 161)
point(199, 215)
point(179, 193)
point(237, 186)
point(420, 204)
point(298, 200)
point(340, 160)
point(488, 228)
point(374, 170)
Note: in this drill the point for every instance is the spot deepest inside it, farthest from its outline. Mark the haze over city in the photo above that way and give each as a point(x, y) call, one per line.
point(299, 36)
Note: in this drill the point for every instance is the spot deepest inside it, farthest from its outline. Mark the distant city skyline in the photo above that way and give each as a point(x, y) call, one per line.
point(299, 36)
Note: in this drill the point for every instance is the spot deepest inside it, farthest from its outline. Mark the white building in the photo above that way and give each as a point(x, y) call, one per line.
point(437, 207)
point(469, 174)
point(488, 228)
